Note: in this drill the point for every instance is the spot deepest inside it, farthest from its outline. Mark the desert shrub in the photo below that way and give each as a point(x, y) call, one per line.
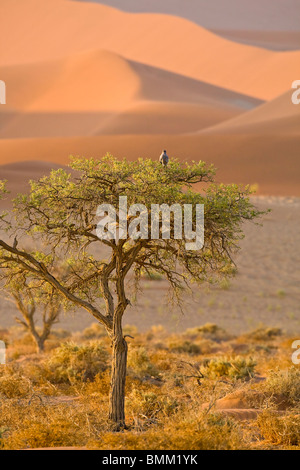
point(23, 343)
point(264, 334)
point(151, 405)
point(235, 368)
point(284, 383)
point(211, 432)
point(139, 363)
point(70, 363)
point(208, 331)
point(99, 386)
point(280, 430)
point(35, 435)
point(187, 347)
point(163, 359)
point(13, 384)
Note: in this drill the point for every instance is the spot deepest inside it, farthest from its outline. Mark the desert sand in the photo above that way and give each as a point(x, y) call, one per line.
point(184, 47)
point(89, 79)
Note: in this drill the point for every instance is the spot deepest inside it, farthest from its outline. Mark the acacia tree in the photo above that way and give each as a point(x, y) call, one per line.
point(61, 210)
point(32, 306)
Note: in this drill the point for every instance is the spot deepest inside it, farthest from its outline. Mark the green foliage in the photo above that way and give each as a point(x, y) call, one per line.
point(235, 368)
point(150, 404)
point(61, 212)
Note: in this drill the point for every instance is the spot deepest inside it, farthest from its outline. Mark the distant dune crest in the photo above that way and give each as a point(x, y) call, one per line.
point(85, 78)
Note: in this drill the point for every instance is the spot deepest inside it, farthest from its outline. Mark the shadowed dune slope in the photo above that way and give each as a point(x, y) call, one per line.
point(162, 41)
point(100, 92)
point(278, 116)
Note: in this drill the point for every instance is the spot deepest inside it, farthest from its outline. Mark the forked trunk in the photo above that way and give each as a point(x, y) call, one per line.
point(117, 385)
point(40, 345)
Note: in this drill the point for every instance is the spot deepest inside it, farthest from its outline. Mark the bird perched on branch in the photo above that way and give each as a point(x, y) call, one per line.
point(164, 159)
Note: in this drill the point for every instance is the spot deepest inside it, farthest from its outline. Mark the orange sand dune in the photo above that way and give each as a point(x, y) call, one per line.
point(100, 92)
point(276, 116)
point(86, 82)
point(35, 30)
point(271, 161)
point(164, 118)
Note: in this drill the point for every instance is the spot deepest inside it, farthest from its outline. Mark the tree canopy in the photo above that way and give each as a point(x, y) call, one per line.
point(60, 216)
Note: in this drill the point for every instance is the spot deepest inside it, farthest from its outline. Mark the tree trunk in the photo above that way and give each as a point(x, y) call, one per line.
point(40, 344)
point(117, 384)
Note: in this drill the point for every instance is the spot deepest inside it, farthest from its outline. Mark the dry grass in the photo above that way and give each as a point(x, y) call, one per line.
point(60, 399)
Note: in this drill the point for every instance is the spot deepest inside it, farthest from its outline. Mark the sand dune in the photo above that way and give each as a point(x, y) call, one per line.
point(230, 14)
point(143, 118)
point(86, 79)
point(271, 161)
point(100, 92)
point(271, 26)
point(278, 116)
point(162, 41)
point(164, 118)
point(87, 82)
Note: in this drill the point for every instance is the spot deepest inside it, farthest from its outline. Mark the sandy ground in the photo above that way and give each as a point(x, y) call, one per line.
point(109, 81)
point(265, 290)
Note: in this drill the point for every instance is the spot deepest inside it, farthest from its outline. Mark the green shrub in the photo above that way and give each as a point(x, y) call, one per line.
point(150, 405)
point(236, 368)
